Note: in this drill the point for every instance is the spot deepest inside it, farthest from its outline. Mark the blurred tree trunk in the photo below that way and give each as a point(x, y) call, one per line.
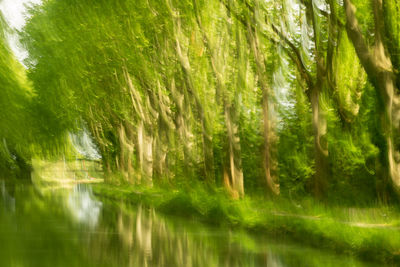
point(320, 145)
point(235, 183)
point(253, 40)
point(233, 180)
point(378, 66)
point(206, 130)
point(315, 85)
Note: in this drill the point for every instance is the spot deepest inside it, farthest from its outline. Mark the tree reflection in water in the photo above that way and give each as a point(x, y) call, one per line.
point(70, 227)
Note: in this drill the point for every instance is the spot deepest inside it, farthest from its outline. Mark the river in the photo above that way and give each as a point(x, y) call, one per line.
point(69, 226)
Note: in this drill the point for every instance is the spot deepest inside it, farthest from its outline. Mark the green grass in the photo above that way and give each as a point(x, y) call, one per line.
point(371, 233)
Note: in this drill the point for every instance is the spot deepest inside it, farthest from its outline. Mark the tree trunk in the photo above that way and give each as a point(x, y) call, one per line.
point(208, 152)
point(390, 124)
point(235, 159)
point(272, 183)
point(320, 146)
point(234, 180)
point(252, 39)
point(378, 66)
point(145, 151)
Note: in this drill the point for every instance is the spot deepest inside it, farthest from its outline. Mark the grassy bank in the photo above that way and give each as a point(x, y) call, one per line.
point(369, 233)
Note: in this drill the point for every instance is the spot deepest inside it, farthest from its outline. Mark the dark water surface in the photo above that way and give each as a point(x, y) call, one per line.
point(71, 227)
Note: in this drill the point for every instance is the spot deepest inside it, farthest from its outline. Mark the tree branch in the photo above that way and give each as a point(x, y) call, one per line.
point(355, 35)
point(296, 58)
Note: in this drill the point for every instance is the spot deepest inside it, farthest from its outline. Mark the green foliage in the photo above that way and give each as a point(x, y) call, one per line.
point(295, 147)
point(392, 34)
point(175, 92)
point(187, 101)
point(15, 119)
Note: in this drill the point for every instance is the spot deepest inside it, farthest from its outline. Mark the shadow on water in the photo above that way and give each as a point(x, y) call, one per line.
point(70, 227)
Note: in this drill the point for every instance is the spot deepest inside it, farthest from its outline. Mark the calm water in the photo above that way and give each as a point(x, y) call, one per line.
point(71, 227)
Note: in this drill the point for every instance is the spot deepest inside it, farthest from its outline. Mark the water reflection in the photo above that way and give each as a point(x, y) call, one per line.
point(82, 205)
point(8, 199)
point(70, 227)
point(149, 239)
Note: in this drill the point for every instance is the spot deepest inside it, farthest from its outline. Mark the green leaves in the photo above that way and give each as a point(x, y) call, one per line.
point(152, 80)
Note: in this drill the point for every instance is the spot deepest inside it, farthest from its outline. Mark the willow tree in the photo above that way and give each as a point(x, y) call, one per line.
point(308, 33)
point(93, 83)
point(248, 19)
point(183, 91)
point(380, 61)
point(219, 60)
point(15, 119)
point(156, 83)
point(126, 81)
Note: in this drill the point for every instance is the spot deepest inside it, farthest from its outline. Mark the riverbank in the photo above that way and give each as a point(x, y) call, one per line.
point(74, 228)
point(371, 234)
point(368, 233)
